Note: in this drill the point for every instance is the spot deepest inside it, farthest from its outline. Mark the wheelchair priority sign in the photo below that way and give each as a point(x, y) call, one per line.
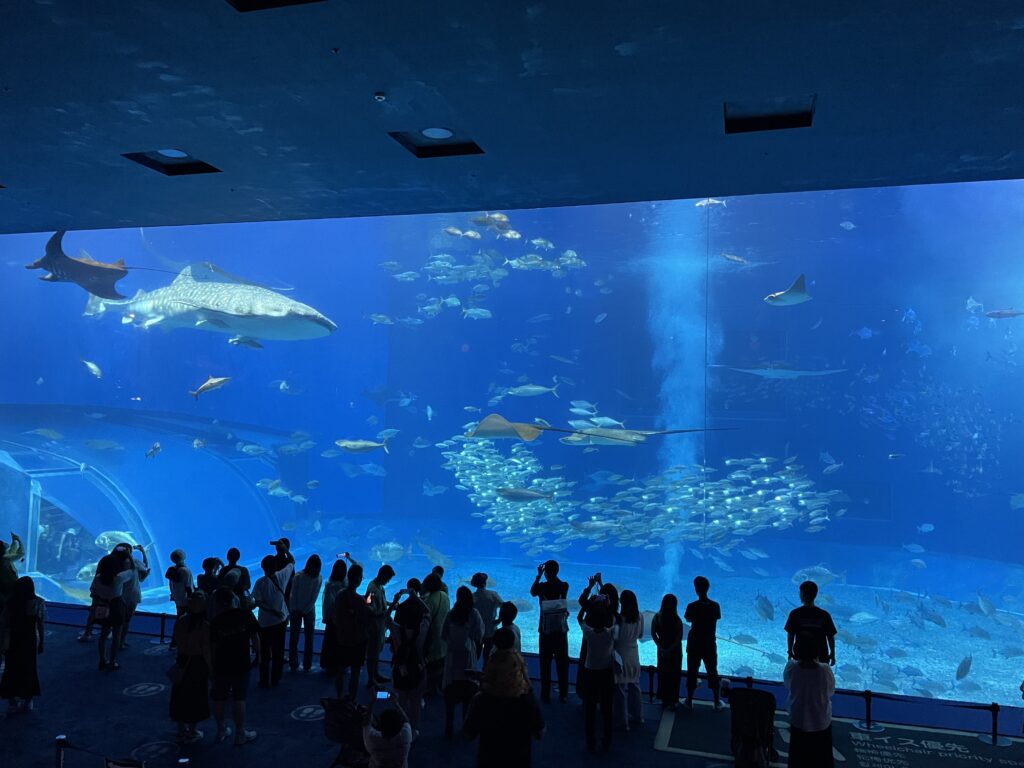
point(308, 713)
point(141, 690)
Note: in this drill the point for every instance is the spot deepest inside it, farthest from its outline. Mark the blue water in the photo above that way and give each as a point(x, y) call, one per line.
point(898, 416)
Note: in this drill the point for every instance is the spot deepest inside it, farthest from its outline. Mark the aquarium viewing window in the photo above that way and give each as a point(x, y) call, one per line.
point(761, 390)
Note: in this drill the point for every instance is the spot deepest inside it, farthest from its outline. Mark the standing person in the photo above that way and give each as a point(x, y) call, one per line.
point(505, 714)
point(389, 742)
point(24, 621)
point(554, 629)
point(667, 633)
point(208, 581)
point(232, 633)
point(597, 622)
point(408, 633)
point(133, 589)
point(378, 602)
point(462, 632)
point(282, 557)
point(112, 574)
point(701, 645)
point(811, 685)
point(179, 582)
point(240, 584)
point(487, 603)
point(815, 621)
point(329, 643)
point(630, 622)
point(190, 689)
point(507, 618)
point(268, 592)
point(438, 570)
point(352, 624)
point(9, 555)
point(435, 649)
point(302, 610)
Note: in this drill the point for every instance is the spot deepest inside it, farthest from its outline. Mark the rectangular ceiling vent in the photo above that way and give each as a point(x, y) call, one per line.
point(171, 162)
point(244, 6)
point(772, 114)
point(436, 142)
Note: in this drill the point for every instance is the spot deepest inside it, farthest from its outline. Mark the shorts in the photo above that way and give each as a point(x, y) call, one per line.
point(229, 686)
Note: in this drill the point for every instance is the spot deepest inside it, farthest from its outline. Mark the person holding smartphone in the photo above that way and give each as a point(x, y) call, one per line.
point(389, 741)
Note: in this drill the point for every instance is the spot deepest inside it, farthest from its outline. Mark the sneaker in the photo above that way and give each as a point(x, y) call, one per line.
point(244, 737)
point(27, 705)
point(84, 638)
point(223, 734)
point(718, 706)
point(193, 737)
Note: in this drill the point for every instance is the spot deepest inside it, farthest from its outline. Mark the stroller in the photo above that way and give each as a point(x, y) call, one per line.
point(753, 727)
point(343, 724)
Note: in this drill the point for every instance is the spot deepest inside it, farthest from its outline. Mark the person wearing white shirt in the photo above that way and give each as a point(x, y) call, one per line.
point(630, 623)
point(597, 622)
point(389, 742)
point(302, 609)
point(811, 685)
point(272, 616)
point(112, 573)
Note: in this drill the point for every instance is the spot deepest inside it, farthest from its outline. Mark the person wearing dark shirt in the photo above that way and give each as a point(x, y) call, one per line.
point(237, 577)
point(554, 630)
point(504, 714)
point(232, 632)
point(667, 634)
point(701, 646)
point(352, 627)
point(814, 621)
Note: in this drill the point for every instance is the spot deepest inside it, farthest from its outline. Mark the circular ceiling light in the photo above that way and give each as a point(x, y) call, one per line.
point(175, 154)
point(437, 133)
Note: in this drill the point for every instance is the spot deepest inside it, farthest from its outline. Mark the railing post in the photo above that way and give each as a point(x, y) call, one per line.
point(867, 724)
point(60, 744)
point(994, 739)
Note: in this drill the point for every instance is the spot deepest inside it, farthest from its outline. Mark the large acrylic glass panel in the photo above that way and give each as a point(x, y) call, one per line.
point(868, 435)
point(893, 393)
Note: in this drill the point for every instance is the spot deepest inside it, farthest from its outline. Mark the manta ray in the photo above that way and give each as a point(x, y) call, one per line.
point(96, 277)
point(795, 294)
point(210, 299)
point(496, 426)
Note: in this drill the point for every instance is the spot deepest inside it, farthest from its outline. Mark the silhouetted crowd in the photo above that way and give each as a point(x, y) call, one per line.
point(465, 653)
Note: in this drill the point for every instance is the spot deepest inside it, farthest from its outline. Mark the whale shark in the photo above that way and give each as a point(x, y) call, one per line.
point(96, 277)
point(795, 294)
point(209, 299)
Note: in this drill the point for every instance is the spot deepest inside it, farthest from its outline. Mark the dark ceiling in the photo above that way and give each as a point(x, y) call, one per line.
point(572, 103)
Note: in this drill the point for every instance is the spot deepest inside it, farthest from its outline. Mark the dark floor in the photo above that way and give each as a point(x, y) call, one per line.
point(124, 714)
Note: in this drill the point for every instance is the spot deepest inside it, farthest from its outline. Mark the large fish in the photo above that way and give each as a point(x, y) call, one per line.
point(210, 300)
point(784, 373)
point(795, 294)
point(95, 277)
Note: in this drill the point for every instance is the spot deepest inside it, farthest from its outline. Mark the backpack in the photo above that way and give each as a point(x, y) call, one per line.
point(350, 619)
point(407, 665)
point(554, 617)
